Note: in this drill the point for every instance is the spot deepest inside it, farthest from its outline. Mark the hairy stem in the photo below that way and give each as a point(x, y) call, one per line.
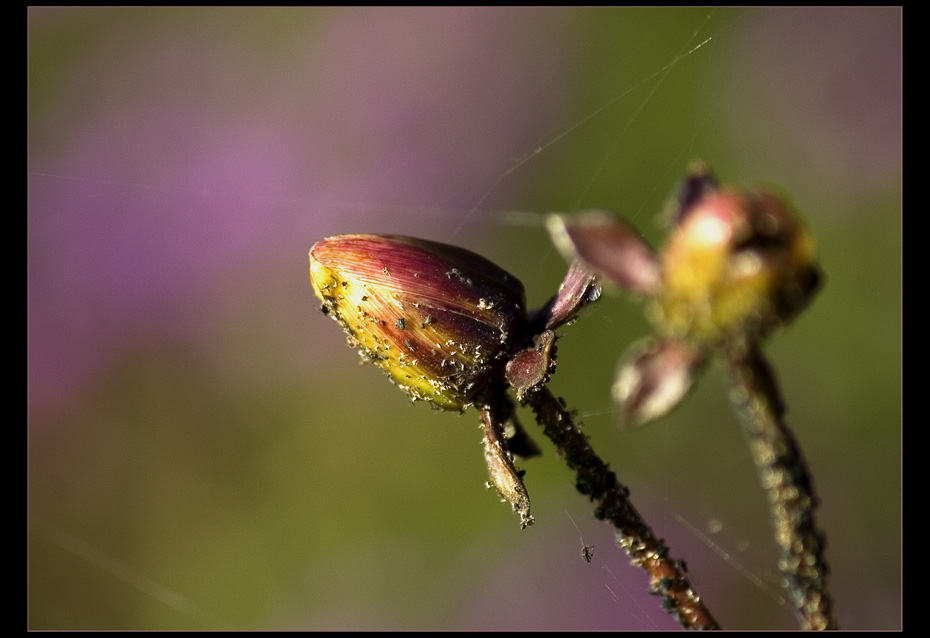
point(784, 476)
point(595, 479)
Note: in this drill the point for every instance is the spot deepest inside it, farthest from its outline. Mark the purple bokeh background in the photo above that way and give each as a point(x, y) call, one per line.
point(199, 425)
point(189, 162)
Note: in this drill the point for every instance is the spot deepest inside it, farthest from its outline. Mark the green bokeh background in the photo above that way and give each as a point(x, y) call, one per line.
point(251, 475)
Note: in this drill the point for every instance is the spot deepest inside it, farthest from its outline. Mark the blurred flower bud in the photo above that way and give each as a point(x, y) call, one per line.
point(738, 265)
point(653, 378)
point(438, 319)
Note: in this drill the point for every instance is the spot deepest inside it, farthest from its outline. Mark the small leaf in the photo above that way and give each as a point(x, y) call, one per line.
point(505, 477)
point(609, 247)
point(578, 289)
point(653, 378)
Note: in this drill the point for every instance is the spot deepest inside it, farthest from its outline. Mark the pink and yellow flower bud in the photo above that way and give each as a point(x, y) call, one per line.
point(437, 318)
point(738, 265)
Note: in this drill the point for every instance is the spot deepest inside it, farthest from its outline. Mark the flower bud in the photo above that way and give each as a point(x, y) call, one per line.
point(738, 265)
point(529, 369)
point(438, 319)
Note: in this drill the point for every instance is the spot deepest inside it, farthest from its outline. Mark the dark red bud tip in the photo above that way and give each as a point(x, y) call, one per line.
point(699, 183)
point(437, 318)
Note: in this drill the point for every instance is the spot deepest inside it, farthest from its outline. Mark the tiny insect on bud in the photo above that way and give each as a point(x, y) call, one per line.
point(587, 553)
point(738, 265)
point(437, 318)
